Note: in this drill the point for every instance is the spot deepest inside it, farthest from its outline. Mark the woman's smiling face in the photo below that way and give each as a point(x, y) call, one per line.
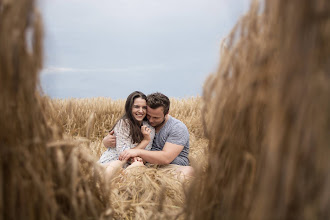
point(139, 109)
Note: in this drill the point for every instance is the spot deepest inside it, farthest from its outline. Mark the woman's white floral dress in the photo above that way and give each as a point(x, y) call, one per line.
point(123, 141)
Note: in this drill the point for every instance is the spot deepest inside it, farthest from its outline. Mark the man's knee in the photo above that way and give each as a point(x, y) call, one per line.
point(187, 170)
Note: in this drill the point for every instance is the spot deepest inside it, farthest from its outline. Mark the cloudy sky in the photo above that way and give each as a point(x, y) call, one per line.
point(110, 48)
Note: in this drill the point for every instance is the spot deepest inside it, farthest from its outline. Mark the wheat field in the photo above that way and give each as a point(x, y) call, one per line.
point(259, 133)
point(86, 122)
point(92, 118)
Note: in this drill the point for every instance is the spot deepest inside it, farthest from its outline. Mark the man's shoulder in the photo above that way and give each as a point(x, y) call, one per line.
point(178, 133)
point(177, 121)
point(177, 124)
point(146, 123)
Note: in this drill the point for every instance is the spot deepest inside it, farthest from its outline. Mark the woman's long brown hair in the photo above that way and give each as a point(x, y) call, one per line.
point(134, 125)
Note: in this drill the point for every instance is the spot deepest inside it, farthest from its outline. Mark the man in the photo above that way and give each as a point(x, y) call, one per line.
point(171, 142)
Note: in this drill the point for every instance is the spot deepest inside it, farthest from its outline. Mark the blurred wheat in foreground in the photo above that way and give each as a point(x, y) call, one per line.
point(269, 118)
point(265, 115)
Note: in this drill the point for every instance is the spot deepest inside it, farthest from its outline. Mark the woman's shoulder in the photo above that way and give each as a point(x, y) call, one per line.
point(122, 124)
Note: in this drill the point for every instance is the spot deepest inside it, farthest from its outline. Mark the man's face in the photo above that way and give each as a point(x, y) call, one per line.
point(155, 116)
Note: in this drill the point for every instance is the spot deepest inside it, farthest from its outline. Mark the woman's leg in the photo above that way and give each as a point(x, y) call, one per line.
point(112, 167)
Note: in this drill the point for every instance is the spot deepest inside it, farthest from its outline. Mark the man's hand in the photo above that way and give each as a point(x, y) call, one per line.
point(109, 140)
point(126, 154)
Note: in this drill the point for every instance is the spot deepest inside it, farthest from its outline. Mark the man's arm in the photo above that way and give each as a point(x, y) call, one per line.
point(109, 140)
point(166, 156)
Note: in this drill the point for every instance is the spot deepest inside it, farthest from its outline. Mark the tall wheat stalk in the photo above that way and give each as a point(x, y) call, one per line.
point(269, 118)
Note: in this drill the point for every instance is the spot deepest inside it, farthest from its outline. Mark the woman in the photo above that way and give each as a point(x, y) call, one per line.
point(131, 130)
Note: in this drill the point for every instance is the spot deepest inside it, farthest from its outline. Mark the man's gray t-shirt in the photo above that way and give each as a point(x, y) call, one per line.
point(175, 132)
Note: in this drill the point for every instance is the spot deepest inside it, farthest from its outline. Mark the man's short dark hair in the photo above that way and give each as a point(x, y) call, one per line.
point(158, 99)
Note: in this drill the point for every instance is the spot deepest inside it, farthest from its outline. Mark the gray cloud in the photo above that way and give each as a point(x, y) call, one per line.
point(154, 45)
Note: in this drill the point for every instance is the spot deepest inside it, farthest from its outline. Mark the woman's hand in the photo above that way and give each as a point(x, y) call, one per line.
point(136, 159)
point(146, 132)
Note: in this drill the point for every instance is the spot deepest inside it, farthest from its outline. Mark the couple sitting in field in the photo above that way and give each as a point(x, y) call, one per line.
point(147, 133)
